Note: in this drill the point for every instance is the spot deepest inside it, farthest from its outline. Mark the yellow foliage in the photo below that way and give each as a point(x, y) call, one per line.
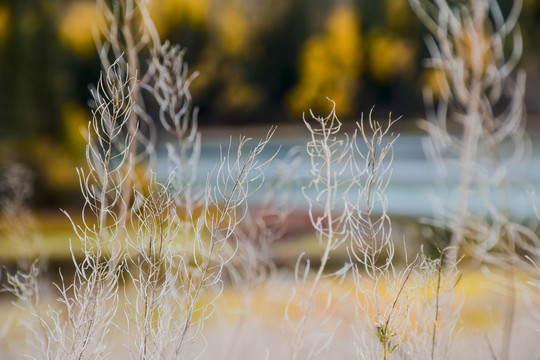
point(5, 18)
point(77, 25)
point(167, 13)
point(55, 164)
point(195, 11)
point(75, 120)
point(234, 31)
point(436, 80)
point(238, 95)
point(389, 57)
point(474, 46)
point(208, 70)
point(397, 14)
point(330, 65)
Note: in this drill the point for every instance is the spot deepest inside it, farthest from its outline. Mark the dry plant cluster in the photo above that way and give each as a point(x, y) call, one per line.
point(157, 253)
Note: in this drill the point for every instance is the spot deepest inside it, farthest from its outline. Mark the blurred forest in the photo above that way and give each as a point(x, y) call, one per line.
point(259, 61)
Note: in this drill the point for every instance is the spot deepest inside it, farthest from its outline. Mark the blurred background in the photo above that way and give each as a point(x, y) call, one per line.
point(260, 62)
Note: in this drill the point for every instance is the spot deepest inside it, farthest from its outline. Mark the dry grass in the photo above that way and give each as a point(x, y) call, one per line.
point(174, 270)
point(480, 317)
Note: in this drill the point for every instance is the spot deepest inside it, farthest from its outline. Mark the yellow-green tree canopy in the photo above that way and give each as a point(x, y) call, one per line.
point(330, 64)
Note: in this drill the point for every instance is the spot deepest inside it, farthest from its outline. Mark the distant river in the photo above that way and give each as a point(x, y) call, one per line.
point(415, 189)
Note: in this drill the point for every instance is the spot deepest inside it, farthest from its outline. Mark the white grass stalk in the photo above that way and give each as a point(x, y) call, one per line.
point(77, 327)
point(168, 84)
point(128, 30)
point(476, 51)
point(371, 248)
point(177, 276)
point(91, 301)
point(330, 156)
point(224, 208)
point(252, 263)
